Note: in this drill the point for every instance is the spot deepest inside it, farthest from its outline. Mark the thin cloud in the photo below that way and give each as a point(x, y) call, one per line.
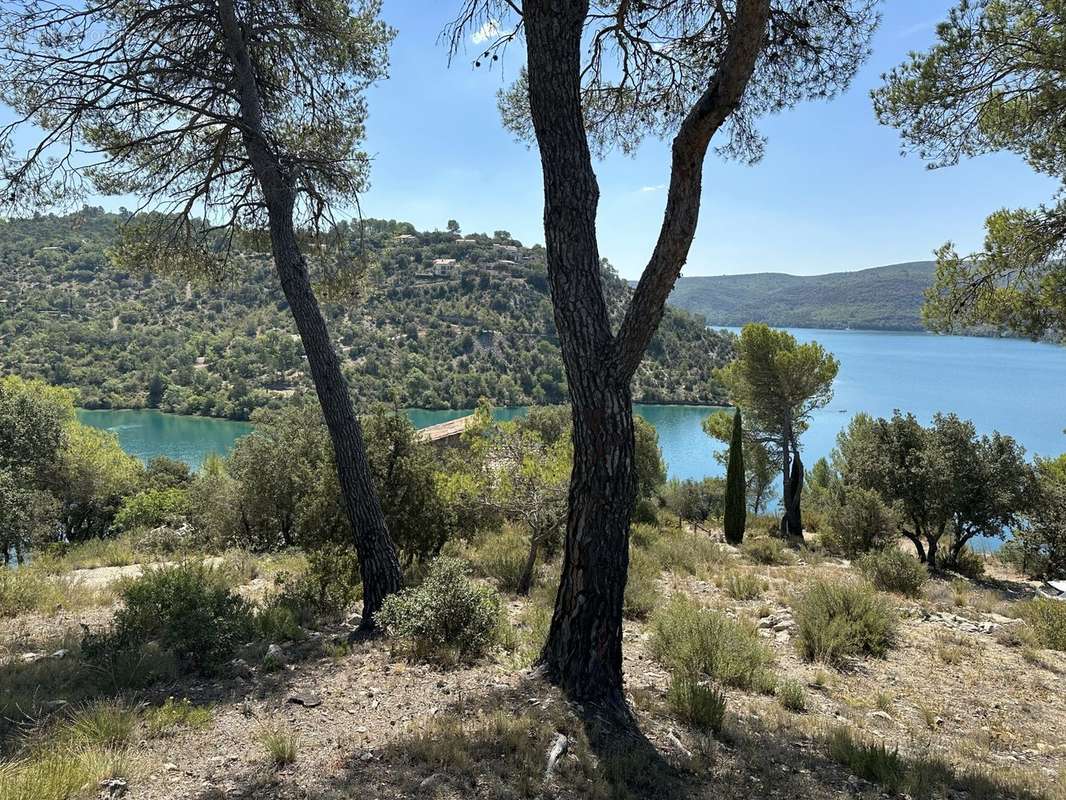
point(657, 188)
point(918, 27)
point(490, 30)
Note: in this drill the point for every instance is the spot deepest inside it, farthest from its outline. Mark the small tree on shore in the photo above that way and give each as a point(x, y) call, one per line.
point(735, 497)
point(780, 383)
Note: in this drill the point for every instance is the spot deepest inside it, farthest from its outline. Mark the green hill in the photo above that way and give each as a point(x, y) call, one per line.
point(881, 298)
point(447, 319)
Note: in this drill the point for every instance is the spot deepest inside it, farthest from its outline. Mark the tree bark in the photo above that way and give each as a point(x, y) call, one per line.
point(791, 485)
point(378, 564)
point(525, 583)
point(583, 651)
point(792, 522)
point(931, 554)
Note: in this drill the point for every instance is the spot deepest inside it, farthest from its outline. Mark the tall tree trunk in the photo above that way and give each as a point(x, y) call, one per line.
point(795, 488)
point(378, 563)
point(791, 485)
point(583, 652)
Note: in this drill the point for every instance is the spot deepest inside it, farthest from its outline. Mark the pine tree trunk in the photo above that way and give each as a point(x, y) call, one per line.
point(378, 564)
point(583, 652)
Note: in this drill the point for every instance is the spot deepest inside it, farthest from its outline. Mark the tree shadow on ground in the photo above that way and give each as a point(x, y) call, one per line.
point(497, 745)
point(62, 678)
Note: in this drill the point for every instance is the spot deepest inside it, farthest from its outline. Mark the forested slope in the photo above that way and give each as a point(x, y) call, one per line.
point(881, 298)
point(445, 320)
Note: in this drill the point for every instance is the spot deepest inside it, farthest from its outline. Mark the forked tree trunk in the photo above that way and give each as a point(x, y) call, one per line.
point(378, 565)
point(583, 651)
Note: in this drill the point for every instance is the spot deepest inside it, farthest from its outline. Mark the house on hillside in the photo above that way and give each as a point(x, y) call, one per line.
point(407, 238)
point(443, 267)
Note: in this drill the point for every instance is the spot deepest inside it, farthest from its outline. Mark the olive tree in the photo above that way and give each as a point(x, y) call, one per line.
point(226, 119)
point(604, 75)
point(944, 482)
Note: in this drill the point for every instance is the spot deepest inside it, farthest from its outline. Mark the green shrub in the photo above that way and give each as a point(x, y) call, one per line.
point(642, 590)
point(743, 585)
point(151, 508)
point(448, 614)
point(278, 622)
point(892, 570)
point(836, 620)
point(502, 557)
point(644, 534)
point(872, 761)
point(792, 695)
point(187, 609)
point(766, 550)
point(699, 643)
point(1047, 619)
point(859, 524)
point(100, 724)
point(699, 704)
point(325, 589)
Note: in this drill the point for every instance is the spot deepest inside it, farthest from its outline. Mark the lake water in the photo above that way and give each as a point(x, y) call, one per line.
point(1016, 387)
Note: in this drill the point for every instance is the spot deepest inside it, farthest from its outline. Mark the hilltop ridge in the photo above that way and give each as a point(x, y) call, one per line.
point(447, 319)
point(878, 298)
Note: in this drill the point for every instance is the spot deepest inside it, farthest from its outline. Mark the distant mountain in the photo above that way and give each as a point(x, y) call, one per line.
point(881, 298)
point(446, 319)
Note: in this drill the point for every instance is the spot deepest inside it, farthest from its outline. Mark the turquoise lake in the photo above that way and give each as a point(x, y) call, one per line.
point(1016, 387)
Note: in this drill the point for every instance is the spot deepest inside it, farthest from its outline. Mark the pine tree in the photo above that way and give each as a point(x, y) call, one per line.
point(735, 498)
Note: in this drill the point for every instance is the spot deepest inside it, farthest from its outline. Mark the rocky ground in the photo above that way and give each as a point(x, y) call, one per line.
point(368, 724)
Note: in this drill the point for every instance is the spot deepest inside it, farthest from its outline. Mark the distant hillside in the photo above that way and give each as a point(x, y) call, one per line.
point(448, 319)
point(881, 298)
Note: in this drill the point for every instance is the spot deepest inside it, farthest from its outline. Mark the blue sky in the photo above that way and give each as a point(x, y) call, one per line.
point(832, 192)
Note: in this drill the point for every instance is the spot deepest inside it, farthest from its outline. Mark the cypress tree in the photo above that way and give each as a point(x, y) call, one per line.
point(735, 491)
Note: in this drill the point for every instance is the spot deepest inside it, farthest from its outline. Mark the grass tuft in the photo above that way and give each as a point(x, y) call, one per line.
point(695, 642)
point(280, 744)
point(837, 620)
point(697, 703)
point(162, 721)
point(792, 696)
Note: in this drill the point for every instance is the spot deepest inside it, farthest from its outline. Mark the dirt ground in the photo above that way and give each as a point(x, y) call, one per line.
point(368, 724)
